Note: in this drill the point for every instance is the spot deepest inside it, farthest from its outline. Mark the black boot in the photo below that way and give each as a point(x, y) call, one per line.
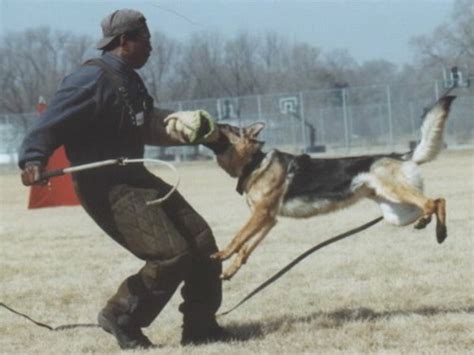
point(195, 334)
point(128, 336)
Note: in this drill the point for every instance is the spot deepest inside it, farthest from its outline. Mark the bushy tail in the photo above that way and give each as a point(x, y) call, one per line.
point(432, 131)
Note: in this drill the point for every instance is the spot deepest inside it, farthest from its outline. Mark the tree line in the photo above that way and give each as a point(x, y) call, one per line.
point(33, 62)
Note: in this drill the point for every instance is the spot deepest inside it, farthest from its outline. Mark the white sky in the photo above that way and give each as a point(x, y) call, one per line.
point(368, 29)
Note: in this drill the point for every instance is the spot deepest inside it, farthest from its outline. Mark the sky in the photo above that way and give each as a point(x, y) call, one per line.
point(369, 30)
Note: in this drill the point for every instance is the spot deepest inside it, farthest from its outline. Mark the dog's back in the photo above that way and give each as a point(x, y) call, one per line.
point(315, 186)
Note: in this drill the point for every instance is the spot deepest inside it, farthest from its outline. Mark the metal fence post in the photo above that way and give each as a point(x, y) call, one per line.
point(322, 127)
point(293, 117)
point(346, 123)
point(218, 109)
point(412, 120)
point(239, 116)
point(180, 154)
point(303, 121)
point(390, 118)
point(259, 110)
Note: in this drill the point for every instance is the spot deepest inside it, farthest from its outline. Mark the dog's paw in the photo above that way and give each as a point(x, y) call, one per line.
point(422, 222)
point(441, 233)
point(228, 273)
point(225, 276)
point(221, 255)
point(232, 269)
point(215, 256)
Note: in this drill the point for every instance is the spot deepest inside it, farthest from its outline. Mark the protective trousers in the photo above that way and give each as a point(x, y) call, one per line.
point(175, 242)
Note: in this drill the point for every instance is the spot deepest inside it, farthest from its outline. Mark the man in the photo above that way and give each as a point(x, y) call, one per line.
point(103, 111)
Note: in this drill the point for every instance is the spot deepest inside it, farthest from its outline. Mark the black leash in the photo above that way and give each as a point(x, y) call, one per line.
point(299, 258)
point(246, 298)
point(61, 327)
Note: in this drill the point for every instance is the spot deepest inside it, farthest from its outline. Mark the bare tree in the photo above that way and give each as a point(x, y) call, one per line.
point(242, 65)
point(306, 68)
point(160, 71)
point(201, 65)
point(378, 71)
point(273, 54)
point(341, 67)
point(33, 63)
point(451, 43)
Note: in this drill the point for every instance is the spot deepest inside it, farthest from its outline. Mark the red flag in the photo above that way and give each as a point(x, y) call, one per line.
point(60, 190)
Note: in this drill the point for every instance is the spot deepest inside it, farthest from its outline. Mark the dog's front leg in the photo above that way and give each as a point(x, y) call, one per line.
point(260, 217)
point(245, 252)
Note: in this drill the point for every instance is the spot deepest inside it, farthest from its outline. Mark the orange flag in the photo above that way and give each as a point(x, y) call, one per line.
point(59, 191)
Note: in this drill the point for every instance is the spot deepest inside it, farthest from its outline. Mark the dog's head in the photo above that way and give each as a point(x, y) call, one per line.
point(242, 145)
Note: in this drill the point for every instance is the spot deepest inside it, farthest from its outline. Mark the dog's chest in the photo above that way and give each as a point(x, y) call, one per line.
point(267, 184)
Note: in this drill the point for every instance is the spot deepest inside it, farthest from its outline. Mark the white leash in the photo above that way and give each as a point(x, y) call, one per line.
point(121, 162)
point(160, 162)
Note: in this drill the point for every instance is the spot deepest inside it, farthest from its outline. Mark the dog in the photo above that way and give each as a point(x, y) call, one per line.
point(298, 186)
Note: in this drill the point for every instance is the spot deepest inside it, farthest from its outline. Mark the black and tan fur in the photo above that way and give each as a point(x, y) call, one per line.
point(278, 183)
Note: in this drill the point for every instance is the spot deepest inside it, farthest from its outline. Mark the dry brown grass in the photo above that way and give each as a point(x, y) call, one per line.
point(388, 290)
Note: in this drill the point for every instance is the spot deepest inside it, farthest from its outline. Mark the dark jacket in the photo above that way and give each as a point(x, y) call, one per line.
point(94, 121)
point(88, 116)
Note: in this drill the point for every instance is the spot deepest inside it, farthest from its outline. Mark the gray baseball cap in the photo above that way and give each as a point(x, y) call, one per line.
point(119, 22)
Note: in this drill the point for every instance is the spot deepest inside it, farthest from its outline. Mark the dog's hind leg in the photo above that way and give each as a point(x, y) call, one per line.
point(422, 222)
point(441, 229)
point(439, 210)
point(404, 193)
point(245, 252)
point(430, 207)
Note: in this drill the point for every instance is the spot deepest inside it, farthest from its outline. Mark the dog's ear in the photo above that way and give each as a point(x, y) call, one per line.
point(254, 129)
point(230, 132)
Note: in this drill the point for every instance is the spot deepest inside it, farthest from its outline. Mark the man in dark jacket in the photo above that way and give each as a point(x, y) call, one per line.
point(103, 111)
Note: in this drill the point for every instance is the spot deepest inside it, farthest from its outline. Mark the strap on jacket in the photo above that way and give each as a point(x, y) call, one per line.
point(116, 81)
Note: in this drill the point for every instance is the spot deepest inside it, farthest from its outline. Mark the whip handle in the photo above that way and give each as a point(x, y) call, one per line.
point(51, 173)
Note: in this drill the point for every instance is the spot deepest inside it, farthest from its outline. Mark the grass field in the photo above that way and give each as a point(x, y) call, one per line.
point(387, 290)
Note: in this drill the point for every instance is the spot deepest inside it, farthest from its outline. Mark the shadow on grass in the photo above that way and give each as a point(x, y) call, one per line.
point(335, 319)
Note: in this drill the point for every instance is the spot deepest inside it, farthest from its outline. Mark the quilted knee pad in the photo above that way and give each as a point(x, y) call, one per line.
point(146, 230)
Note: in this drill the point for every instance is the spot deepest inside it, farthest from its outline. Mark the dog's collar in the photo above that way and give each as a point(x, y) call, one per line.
point(248, 169)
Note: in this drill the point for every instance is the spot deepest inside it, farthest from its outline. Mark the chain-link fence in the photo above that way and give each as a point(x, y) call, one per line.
point(352, 120)
point(13, 128)
point(376, 118)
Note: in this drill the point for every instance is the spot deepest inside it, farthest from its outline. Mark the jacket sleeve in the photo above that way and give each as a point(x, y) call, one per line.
point(155, 129)
point(70, 112)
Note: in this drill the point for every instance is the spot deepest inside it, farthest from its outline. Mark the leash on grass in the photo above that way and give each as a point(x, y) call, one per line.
point(121, 162)
point(43, 325)
point(246, 298)
point(299, 259)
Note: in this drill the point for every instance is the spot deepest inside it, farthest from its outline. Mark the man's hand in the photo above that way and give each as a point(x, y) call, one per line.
point(176, 129)
point(31, 174)
point(192, 127)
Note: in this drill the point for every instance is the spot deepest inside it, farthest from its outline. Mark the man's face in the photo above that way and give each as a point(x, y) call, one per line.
point(137, 50)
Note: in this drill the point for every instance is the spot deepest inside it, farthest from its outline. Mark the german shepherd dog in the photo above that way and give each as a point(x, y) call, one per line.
point(298, 186)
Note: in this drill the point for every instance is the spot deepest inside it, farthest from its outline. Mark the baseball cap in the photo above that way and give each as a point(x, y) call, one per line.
point(120, 22)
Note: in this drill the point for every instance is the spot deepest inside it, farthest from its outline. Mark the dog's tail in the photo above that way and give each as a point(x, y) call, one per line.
point(432, 131)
